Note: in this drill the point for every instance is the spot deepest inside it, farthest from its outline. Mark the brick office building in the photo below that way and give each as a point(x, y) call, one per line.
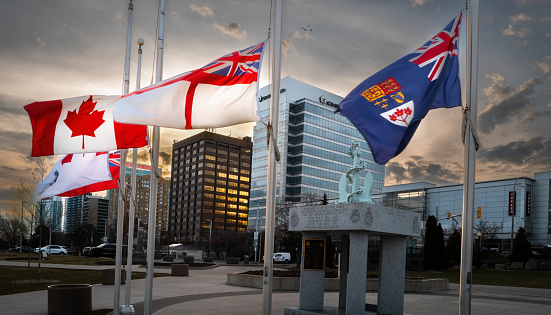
point(210, 185)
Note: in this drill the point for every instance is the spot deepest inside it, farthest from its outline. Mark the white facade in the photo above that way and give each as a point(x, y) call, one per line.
point(532, 209)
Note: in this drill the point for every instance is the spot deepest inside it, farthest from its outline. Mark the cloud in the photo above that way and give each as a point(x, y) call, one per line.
point(286, 47)
point(523, 17)
point(41, 42)
point(522, 33)
point(165, 158)
point(545, 64)
point(119, 16)
point(508, 104)
point(417, 169)
point(534, 151)
point(529, 2)
point(419, 2)
point(354, 48)
point(204, 11)
point(303, 35)
point(233, 29)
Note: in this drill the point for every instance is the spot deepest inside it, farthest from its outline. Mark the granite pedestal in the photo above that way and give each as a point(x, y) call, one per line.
point(355, 222)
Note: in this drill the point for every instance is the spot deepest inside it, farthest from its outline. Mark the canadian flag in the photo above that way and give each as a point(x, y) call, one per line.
point(81, 124)
point(77, 174)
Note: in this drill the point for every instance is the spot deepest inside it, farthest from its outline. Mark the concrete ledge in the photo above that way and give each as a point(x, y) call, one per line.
point(374, 218)
point(332, 284)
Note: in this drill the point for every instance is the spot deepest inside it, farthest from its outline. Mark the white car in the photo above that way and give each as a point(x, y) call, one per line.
point(52, 249)
point(282, 257)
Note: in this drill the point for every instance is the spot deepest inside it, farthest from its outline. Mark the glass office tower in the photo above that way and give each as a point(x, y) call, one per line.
point(313, 142)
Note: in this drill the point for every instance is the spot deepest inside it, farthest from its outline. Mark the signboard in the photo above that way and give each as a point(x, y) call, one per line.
point(528, 203)
point(314, 254)
point(512, 202)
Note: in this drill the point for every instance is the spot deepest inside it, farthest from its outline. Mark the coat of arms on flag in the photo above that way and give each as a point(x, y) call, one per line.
point(388, 107)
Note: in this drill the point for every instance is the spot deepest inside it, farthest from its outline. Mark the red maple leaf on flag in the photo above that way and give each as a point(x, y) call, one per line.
point(86, 121)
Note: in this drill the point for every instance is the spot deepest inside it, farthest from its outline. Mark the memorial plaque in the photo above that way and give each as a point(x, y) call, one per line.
point(314, 254)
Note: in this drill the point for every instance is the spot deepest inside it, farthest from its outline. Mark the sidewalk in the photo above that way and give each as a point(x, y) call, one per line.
point(205, 292)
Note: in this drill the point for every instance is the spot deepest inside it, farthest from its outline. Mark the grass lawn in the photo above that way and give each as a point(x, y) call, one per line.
point(513, 278)
point(59, 259)
point(20, 279)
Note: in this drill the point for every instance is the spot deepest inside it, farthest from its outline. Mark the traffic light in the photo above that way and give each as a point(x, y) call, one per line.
point(478, 212)
point(449, 214)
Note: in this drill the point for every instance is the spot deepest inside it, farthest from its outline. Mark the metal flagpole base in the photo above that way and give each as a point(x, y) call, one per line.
point(128, 310)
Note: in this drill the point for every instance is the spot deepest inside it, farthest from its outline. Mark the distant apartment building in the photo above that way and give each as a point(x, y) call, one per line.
point(141, 207)
point(210, 185)
point(86, 209)
point(96, 210)
point(74, 208)
point(313, 143)
point(52, 213)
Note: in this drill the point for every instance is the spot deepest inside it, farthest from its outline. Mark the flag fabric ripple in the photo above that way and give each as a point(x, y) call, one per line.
point(388, 107)
point(222, 93)
point(77, 174)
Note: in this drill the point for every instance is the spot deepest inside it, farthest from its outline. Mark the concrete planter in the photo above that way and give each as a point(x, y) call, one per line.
point(179, 270)
point(332, 284)
point(69, 299)
point(189, 260)
point(232, 260)
point(108, 276)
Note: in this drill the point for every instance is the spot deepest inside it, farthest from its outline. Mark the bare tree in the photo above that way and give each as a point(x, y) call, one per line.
point(12, 226)
point(489, 230)
point(24, 192)
point(39, 172)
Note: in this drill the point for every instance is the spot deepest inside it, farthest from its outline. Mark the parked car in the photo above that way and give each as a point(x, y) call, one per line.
point(282, 257)
point(24, 249)
point(106, 250)
point(52, 249)
point(86, 251)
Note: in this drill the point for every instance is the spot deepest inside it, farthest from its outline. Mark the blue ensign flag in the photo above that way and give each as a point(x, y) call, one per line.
point(388, 106)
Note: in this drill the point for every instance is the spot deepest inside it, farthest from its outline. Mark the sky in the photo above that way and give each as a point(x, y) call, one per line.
point(60, 49)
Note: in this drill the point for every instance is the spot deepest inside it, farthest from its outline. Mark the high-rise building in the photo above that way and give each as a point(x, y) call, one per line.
point(74, 208)
point(210, 185)
point(52, 213)
point(95, 212)
point(313, 143)
point(141, 206)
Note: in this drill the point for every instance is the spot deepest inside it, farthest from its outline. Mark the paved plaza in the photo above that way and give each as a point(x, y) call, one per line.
point(205, 292)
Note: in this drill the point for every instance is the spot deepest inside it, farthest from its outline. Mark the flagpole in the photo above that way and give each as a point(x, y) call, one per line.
point(122, 176)
point(272, 172)
point(470, 159)
point(128, 308)
point(155, 138)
